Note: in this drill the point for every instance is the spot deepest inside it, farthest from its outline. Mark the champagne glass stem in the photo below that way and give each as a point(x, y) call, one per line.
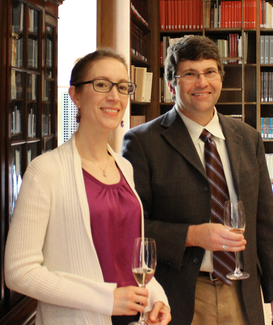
point(141, 314)
point(237, 267)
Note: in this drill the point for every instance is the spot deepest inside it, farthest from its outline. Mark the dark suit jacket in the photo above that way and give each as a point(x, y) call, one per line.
point(174, 189)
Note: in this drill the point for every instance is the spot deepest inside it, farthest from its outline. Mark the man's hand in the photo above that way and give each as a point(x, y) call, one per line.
point(160, 315)
point(212, 237)
point(129, 300)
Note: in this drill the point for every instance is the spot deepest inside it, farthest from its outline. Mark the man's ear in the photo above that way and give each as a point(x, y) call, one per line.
point(171, 88)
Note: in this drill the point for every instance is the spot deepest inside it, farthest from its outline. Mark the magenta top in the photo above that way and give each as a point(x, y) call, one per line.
point(115, 217)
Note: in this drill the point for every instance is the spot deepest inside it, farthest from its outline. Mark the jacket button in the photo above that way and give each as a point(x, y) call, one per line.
point(206, 188)
point(196, 260)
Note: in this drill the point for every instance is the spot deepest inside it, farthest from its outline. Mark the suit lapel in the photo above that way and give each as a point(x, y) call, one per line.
point(179, 138)
point(234, 146)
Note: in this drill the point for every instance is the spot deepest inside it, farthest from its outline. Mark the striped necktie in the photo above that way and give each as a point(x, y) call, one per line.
point(223, 262)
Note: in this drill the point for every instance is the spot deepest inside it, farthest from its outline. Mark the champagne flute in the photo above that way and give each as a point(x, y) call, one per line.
point(143, 265)
point(234, 218)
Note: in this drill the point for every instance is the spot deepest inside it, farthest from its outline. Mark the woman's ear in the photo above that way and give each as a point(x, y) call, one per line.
point(74, 95)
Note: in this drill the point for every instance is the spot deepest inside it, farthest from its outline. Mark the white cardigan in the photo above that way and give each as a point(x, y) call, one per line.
point(50, 254)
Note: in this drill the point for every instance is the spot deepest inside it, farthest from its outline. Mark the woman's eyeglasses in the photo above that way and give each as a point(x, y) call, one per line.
point(105, 86)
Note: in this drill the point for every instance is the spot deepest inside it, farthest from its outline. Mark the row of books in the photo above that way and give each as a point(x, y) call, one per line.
point(269, 162)
point(228, 14)
point(188, 14)
point(267, 128)
point(33, 53)
point(139, 8)
point(17, 52)
point(144, 80)
point(266, 49)
point(15, 121)
point(139, 42)
point(181, 14)
point(16, 85)
point(18, 17)
point(266, 86)
point(230, 47)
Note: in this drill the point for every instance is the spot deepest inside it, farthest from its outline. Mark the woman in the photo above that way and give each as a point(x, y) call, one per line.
point(77, 215)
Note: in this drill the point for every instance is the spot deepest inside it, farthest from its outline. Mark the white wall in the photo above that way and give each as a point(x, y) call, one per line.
point(77, 36)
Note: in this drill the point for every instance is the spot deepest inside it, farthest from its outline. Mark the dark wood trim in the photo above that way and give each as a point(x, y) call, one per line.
point(106, 23)
point(23, 314)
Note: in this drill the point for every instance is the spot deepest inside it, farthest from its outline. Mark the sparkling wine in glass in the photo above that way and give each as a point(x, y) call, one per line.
point(234, 218)
point(143, 265)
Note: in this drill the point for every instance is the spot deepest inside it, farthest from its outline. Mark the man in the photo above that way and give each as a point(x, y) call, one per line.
point(170, 175)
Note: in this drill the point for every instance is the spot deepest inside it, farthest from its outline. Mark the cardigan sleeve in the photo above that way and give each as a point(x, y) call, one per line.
point(25, 268)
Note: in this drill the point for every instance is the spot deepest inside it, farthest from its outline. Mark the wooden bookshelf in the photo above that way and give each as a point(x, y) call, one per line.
point(242, 85)
point(149, 27)
point(28, 115)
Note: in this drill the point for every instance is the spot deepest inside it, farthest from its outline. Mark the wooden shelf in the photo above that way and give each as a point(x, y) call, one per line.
point(22, 74)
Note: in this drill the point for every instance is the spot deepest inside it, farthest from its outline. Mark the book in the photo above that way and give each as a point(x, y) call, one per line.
point(167, 93)
point(148, 87)
point(271, 49)
point(262, 48)
point(266, 49)
point(162, 10)
point(140, 80)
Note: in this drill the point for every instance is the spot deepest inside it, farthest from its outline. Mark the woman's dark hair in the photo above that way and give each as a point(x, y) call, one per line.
point(191, 48)
point(85, 63)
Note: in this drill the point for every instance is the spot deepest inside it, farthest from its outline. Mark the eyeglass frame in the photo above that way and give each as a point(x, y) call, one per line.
point(113, 84)
point(198, 74)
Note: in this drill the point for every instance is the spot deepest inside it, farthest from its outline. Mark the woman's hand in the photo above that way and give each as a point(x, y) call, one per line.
point(160, 315)
point(130, 301)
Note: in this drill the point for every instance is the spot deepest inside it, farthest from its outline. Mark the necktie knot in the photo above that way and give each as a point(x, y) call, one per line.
point(205, 135)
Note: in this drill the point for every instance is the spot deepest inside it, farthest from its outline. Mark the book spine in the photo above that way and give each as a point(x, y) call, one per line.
point(162, 14)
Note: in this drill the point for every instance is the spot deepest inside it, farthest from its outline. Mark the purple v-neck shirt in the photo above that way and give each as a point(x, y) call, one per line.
point(115, 217)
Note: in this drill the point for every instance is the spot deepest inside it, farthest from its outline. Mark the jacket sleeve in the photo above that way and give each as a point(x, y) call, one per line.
point(166, 234)
point(264, 225)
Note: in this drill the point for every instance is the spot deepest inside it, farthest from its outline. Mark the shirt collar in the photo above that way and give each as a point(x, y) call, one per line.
point(196, 129)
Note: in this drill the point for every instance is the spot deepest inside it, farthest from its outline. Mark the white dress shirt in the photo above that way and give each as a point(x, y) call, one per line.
point(215, 129)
